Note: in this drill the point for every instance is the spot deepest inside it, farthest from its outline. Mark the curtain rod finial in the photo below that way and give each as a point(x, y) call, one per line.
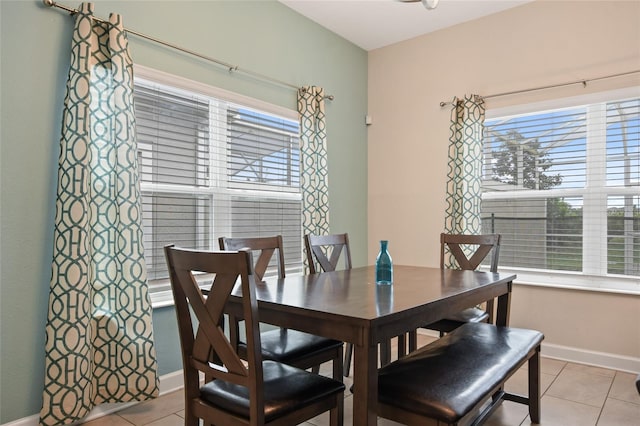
point(49, 3)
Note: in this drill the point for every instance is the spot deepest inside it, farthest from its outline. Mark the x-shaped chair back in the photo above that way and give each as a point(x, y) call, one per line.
point(326, 249)
point(459, 245)
point(207, 349)
point(266, 246)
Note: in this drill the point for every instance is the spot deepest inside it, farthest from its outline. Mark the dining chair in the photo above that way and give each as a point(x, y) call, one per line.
point(323, 254)
point(262, 247)
point(326, 250)
point(237, 390)
point(302, 350)
point(479, 247)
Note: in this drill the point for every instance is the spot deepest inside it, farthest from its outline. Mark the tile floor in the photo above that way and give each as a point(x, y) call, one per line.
point(573, 395)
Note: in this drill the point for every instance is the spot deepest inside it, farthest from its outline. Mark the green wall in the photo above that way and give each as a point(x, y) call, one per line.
point(261, 36)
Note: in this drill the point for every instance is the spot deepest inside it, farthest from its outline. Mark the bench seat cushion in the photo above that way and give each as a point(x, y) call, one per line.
point(446, 379)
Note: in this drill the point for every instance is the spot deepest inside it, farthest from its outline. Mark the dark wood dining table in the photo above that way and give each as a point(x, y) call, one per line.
point(348, 305)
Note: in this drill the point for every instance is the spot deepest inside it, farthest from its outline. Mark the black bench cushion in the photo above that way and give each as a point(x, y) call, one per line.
point(286, 389)
point(447, 378)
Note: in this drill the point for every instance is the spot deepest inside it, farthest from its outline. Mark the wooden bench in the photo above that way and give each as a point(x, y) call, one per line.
point(459, 378)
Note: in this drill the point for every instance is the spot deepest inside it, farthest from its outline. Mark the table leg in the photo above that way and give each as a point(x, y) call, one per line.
point(365, 384)
point(504, 307)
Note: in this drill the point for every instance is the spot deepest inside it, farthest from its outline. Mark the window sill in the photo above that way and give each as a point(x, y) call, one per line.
point(575, 281)
point(161, 299)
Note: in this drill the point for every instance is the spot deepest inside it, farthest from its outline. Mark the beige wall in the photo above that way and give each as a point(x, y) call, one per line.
point(540, 43)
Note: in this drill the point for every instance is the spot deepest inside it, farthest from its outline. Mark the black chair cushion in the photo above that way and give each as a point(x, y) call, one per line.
point(456, 320)
point(286, 389)
point(447, 378)
point(286, 345)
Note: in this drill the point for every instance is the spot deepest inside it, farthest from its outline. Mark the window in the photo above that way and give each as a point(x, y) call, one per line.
point(562, 186)
point(211, 166)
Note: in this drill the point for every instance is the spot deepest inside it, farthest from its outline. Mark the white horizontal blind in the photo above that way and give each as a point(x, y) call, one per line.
point(212, 168)
point(563, 188)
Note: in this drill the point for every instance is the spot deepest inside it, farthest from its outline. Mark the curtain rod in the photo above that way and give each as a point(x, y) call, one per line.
point(230, 67)
point(583, 82)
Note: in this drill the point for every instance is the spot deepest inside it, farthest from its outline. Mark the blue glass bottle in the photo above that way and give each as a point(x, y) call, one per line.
point(384, 265)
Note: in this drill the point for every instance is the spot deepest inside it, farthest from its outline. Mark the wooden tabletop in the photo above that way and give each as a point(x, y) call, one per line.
point(349, 306)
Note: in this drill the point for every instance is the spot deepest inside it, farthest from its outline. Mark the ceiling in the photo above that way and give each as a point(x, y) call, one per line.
point(371, 24)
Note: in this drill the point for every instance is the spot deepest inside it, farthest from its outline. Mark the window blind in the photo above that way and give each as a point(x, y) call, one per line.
point(211, 168)
point(562, 187)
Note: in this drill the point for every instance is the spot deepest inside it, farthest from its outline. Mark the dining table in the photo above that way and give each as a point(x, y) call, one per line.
point(349, 306)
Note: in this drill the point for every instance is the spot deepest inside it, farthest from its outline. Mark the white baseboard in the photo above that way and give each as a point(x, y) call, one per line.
point(578, 355)
point(168, 383)
point(598, 359)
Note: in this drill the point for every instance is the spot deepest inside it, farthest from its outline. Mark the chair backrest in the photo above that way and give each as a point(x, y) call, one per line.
point(326, 250)
point(482, 245)
point(206, 349)
point(265, 246)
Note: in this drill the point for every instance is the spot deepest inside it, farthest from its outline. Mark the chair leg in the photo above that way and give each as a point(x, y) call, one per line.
point(336, 415)
point(347, 359)
point(190, 419)
point(315, 369)
point(534, 386)
point(338, 366)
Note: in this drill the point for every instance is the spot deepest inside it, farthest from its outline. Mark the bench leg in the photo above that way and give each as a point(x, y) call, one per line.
point(385, 352)
point(402, 345)
point(534, 386)
point(413, 340)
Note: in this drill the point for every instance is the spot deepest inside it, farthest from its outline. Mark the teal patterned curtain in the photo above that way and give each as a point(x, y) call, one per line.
point(99, 340)
point(464, 174)
point(313, 161)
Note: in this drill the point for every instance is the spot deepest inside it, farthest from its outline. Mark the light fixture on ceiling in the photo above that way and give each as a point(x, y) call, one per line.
point(429, 4)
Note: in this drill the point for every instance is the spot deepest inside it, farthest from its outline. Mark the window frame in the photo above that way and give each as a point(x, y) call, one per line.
point(590, 278)
point(160, 293)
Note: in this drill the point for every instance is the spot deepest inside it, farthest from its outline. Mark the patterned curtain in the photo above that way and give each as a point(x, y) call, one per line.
point(464, 175)
point(313, 161)
point(99, 340)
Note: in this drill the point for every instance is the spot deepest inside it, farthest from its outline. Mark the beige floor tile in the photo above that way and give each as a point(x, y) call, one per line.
point(323, 419)
point(624, 388)
point(110, 420)
point(578, 386)
point(560, 412)
point(589, 369)
point(508, 414)
point(619, 413)
point(172, 420)
point(551, 366)
point(519, 382)
point(150, 411)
